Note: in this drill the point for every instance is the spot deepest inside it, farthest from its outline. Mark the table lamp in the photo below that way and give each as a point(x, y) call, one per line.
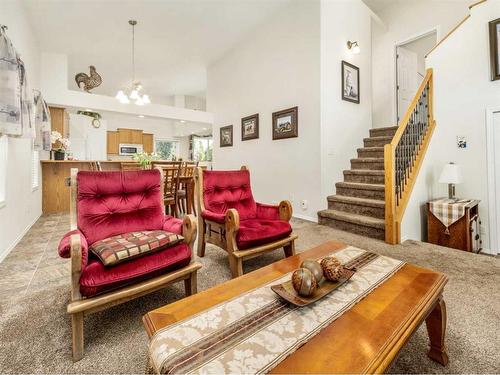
point(451, 175)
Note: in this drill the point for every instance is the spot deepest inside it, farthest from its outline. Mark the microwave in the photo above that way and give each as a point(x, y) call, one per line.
point(129, 149)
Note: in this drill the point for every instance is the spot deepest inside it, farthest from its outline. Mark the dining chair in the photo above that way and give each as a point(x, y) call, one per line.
point(185, 194)
point(171, 176)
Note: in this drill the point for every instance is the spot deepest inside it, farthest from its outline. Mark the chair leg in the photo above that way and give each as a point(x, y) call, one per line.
point(191, 284)
point(289, 249)
point(201, 240)
point(236, 266)
point(77, 330)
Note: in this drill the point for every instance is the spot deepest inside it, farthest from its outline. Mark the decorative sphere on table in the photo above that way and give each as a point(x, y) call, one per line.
point(315, 269)
point(332, 269)
point(304, 282)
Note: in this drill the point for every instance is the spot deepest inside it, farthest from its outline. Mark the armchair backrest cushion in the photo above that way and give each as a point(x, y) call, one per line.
point(223, 190)
point(112, 203)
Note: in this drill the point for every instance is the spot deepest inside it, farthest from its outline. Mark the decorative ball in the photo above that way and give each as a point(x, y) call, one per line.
point(332, 261)
point(315, 269)
point(332, 269)
point(303, 282)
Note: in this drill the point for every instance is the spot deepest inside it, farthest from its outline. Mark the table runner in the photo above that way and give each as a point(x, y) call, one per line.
point(255, 331)
point(448, 211)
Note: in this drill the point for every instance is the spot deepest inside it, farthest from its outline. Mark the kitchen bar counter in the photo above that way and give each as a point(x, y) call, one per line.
point(55, 192)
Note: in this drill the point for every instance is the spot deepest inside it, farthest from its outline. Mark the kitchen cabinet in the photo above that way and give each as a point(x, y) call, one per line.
point(147, 142)
point(112, 143)
point(59, 121)
point(130, 136)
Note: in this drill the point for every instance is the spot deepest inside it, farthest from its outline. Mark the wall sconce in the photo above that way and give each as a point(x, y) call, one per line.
point(353, 47)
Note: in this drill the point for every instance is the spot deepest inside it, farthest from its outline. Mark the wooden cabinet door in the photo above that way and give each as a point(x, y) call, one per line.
point(136, 136)
point(124, 136)
point(147, 142)
point(112, 143)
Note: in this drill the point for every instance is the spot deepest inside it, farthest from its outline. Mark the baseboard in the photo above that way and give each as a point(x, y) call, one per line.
point(6, 252)
point(305, 217)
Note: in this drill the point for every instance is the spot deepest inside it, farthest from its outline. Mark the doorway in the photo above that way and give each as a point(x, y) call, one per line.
point(410, 68)
point(493, 163)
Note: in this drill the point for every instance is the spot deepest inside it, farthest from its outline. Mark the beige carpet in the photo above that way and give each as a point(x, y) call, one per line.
point(35, 330)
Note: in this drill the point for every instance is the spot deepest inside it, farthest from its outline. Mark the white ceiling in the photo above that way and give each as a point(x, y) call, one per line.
point(175, 39)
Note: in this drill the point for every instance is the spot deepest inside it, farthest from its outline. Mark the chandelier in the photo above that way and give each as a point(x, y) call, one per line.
point(133, 92)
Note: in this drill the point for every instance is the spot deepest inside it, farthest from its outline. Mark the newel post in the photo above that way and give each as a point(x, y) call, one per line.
point(390, 203)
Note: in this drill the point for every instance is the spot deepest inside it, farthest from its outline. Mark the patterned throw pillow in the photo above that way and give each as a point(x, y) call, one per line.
point(117, 249)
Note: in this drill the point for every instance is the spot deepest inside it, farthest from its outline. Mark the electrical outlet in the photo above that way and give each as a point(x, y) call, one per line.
point(303, 205)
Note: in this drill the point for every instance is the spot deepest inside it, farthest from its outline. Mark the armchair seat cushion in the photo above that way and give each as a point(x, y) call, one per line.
point(124, 247)
point(256, 232)
point(96, 278)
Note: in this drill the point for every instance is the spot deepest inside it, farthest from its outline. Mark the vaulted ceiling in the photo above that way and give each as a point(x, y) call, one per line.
point(175, 39)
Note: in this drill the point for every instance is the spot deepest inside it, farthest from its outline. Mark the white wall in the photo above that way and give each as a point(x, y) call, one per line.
point(276, 67)
point(54, 67)
point(343, 124)
point(404, 20)
point(463, 93)
point(23, 206)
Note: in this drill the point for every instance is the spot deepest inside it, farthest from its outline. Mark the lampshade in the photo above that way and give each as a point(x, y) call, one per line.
point(451, 174)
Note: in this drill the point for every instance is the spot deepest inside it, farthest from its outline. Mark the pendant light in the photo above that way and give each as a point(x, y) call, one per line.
point(133, 93)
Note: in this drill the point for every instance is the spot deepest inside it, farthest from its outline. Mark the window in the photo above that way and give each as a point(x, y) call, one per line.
point(166, 149)
point(3, 168)
point(35, 169)
point(202, 148)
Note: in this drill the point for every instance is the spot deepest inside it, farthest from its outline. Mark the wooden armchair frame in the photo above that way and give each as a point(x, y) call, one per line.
point(81, 306)
point(224, 235)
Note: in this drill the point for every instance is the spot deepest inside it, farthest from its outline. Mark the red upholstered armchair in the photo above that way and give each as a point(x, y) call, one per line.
point(229, 217)
point(107, 204)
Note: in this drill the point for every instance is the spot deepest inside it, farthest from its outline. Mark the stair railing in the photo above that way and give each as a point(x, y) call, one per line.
point(404, 155)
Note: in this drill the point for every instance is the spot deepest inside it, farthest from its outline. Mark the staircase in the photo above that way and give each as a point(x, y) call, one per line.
point(359, 205)
point(376, 190)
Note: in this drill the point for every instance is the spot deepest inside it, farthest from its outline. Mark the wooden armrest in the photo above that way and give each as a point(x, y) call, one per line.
point(286, 210)
point(232, 227)
point(76, 266)
point(189, 230)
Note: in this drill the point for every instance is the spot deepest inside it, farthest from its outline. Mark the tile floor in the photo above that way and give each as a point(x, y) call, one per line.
point(34, 262)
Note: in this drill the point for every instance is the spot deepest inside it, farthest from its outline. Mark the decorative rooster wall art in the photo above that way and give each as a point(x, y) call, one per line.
point(86, 82)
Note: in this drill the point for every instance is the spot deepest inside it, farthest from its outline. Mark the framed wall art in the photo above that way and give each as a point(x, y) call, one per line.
point(285, 123)
point(250, 127)
point(350, 82)
point(495, 49)
point(226, 136)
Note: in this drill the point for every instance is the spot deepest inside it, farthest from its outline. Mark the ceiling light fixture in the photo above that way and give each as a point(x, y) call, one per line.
point(141, 116)
point(133, 92)
point(183, 121)
point(353, 47)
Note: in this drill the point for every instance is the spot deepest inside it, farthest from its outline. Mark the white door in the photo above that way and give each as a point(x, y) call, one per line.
point(406, 85)
point(496, 148)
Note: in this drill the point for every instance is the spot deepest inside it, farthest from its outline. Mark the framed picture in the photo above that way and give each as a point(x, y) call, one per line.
point(495, 49)
point(285, 123)
point(350, 82)
point(226, 136)
point(250, 127)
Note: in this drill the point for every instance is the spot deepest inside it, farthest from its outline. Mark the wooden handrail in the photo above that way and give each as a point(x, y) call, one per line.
point(404, 155)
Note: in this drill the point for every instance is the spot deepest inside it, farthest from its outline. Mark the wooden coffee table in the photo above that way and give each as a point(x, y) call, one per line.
point(365, 339)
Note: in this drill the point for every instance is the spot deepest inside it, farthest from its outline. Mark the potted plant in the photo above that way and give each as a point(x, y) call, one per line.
point(59, 145)
point(145, 159)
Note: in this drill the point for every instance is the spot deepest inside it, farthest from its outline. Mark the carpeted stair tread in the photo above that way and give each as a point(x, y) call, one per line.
point(369, 160)
point(353, 218)
point(357, 201)
point(373, 172)
point(386, 130)
point(379, 138)
point(360, 186)
point(371, 149)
